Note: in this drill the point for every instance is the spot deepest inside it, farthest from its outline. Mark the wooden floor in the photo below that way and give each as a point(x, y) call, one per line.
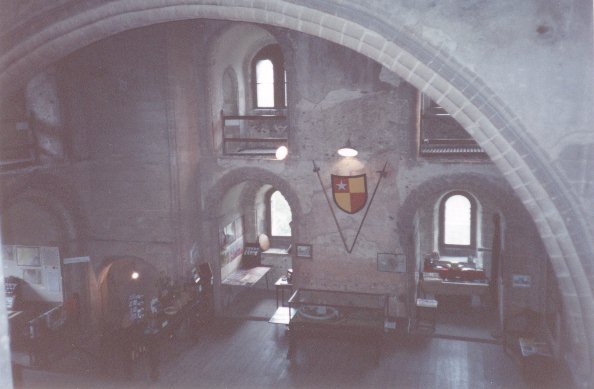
point(234, 352)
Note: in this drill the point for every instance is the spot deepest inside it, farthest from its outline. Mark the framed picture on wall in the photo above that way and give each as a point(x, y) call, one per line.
point(521, 281)
point(391, 262)
point(304, 250)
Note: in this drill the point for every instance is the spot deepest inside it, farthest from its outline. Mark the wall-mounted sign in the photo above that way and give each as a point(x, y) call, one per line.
point(39, 267)
point(521, 281)
point(68, 261)
point(231, 241)
point(304, 250)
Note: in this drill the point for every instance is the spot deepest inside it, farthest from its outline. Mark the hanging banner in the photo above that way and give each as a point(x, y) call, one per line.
point(350, 192)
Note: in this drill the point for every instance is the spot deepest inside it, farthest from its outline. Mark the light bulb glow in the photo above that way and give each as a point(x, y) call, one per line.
point(347, 150)
point(281, 153)
point(135, 275)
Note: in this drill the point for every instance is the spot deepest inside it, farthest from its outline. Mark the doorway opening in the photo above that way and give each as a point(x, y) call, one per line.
point(255, 237)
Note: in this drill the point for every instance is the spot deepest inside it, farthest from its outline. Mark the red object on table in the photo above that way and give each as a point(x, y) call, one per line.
point(455, 271)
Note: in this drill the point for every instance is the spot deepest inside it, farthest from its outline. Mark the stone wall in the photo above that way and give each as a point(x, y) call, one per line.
point(520, 81)
point(114, 97)
point(118, 97)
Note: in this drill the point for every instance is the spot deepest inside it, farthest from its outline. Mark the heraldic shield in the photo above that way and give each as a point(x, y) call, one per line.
point(350, 192)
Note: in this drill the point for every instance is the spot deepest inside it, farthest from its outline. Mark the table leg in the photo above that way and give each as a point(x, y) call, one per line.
point(378, 351)
point(292, 342)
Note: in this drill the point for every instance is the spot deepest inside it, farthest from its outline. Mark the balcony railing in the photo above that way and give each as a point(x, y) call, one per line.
point(454, 147)
point(442, 136)
point(257, 135)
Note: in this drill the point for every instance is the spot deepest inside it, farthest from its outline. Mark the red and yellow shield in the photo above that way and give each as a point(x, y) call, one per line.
point(350, 192)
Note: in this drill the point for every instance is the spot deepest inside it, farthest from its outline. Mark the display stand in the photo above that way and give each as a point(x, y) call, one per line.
point(337, 313)
point(280, 286)
point(252, 255)
point(425, 315)
point(283, 313)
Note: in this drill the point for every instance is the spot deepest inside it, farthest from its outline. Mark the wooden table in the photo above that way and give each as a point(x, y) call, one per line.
point(281, 285)
point(282, 315)
point(248, 277)
point(454, 288)
point(337, 313)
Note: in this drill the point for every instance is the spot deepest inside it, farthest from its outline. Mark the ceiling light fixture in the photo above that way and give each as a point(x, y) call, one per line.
point(347, 150)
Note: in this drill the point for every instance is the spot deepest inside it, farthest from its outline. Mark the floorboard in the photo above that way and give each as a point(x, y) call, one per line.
point(234, 351)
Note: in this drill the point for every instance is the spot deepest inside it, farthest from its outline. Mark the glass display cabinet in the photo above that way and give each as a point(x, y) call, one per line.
point(329, 313)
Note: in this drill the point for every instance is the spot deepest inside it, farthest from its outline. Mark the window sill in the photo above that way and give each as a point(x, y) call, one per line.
point(276, 251)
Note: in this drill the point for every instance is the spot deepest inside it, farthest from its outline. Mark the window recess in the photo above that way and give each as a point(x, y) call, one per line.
point(440, 135)
point(256, 135)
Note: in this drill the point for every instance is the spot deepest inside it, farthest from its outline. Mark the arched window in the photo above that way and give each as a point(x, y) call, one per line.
point(279, 218)
point(268, 78)
point(457, 224)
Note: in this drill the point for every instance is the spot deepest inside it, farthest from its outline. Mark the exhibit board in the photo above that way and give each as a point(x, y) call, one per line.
point(251, 255)
point(39, 268)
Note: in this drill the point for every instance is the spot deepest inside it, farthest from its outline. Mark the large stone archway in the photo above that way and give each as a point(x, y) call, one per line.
point(542, 189)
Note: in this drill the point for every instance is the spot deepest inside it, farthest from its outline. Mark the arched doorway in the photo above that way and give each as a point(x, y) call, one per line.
point(120, 280)
point(479, 313)
point(241, 195)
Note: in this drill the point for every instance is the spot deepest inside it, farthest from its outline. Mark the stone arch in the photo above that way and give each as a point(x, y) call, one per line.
point(49, 194)
point(213, 204)
point(213, 201)
point(110, 303)
point(541, 187)
point(474, 184)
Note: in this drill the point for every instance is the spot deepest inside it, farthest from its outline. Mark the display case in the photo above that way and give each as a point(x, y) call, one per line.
point(329, 313)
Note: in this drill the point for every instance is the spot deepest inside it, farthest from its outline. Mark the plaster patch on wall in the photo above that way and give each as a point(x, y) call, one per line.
point(307, 187)
point(43, 101)
point(304, 105)
point(339, 96)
